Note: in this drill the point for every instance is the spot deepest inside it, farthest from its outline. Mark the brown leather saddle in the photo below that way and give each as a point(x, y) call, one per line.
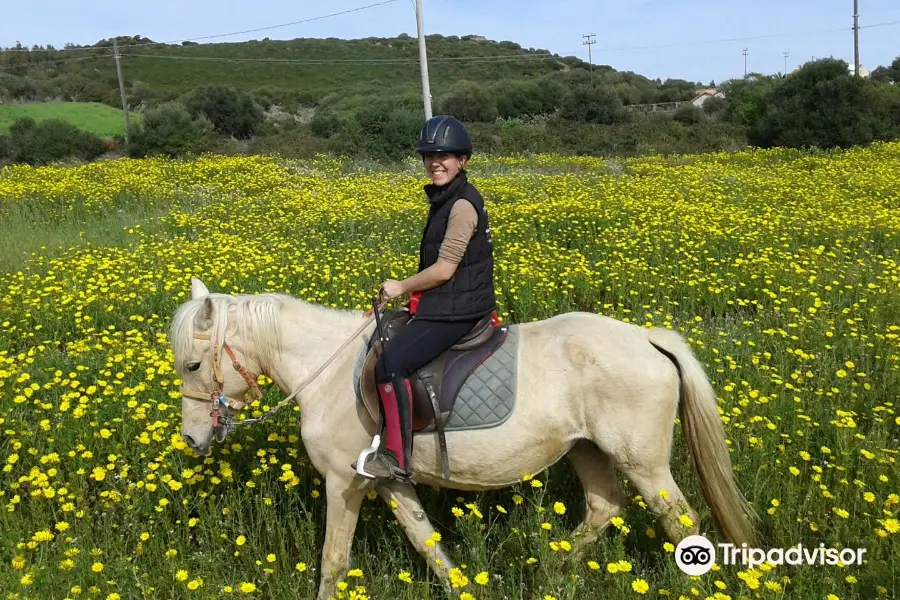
point(436, 385)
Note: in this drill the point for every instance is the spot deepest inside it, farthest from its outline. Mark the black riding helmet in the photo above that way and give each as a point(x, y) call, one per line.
point(444, 134)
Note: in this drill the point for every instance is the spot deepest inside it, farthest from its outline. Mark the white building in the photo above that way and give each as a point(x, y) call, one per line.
point(703, 96)
point(863, 71)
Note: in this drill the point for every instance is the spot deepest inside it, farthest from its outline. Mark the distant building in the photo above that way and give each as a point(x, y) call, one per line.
point(703, 96)
point(863, 71)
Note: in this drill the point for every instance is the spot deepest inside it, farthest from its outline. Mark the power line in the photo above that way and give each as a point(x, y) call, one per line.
point(744, 39)
point(218, 35)
point(311, 19)
point(501, 58)
point(291, 61)
point(328, 61)
point(615, 49)
point(49, 63)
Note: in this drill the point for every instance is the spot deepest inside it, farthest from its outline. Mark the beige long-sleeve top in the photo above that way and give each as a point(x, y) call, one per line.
point(461, 227)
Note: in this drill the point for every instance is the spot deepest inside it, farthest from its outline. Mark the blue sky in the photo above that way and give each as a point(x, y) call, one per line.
point(557, 26)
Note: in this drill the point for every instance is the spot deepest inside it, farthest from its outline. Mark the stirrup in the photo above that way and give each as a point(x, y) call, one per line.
point(394, 472)
point(360, 465)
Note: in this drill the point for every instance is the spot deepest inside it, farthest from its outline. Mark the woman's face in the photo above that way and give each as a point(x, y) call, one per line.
point(442, 167)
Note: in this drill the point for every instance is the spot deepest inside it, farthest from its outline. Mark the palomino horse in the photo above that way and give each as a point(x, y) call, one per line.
point(601, 392)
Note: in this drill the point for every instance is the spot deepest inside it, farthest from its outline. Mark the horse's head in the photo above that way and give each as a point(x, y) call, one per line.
point(203, 329)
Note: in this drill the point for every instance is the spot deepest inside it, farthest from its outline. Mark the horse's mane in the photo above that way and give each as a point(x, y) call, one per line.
point(255, 319)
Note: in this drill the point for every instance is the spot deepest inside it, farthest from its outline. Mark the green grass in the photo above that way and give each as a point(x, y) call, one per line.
point(97, 118)
point(780, 267)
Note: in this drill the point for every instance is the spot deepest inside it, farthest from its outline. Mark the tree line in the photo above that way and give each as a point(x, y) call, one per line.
point(568, 111)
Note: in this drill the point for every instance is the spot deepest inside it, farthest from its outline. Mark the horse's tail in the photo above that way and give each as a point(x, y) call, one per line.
point(705, 436)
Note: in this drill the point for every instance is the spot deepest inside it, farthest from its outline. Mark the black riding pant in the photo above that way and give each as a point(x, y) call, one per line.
point(418, 343)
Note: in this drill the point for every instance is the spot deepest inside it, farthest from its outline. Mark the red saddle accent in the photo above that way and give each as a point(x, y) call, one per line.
point(413, 304)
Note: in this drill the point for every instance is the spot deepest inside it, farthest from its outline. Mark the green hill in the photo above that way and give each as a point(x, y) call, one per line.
point(363, 97)
point(306, 72)
point(100, 119)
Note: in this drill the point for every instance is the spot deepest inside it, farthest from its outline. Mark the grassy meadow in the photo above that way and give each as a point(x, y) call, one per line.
point(97, 118)
point(781, 268)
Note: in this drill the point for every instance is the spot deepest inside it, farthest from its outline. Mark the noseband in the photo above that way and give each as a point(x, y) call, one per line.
point(216, 397)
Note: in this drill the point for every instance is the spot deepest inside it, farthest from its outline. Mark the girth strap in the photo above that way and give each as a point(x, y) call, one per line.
point(438, 423)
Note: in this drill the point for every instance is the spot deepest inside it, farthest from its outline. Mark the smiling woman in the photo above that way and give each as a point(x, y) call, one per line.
point(452, 291)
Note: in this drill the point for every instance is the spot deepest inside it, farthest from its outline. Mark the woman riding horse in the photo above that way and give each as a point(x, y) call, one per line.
point(452, 290)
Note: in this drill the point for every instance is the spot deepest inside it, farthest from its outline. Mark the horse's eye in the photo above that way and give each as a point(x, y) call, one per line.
point(193, 366)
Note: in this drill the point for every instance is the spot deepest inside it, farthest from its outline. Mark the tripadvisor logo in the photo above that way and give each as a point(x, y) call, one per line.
point(696, 555)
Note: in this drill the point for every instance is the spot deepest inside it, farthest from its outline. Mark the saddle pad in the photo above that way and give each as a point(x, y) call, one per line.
point(487, 397)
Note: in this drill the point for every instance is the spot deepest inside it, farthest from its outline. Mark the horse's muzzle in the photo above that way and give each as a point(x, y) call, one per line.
point(201, 449)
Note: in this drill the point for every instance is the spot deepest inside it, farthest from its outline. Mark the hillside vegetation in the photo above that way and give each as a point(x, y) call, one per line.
point(332, 67)
point(363, 98)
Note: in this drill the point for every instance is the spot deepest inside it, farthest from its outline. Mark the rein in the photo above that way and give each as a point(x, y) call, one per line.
point(217, 398)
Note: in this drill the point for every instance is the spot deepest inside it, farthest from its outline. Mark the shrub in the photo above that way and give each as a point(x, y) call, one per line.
point(141, 94)
point(52, 140)
point(387, 133)
point(715, 106)
point(7, 151)
point(231, 112)
point(550, 93)
point(326, 124)
point(887, 74)
point(744, 98)
point(22, 126)
point(517, 98)
point(98, 92)
point(601, 105)
point(888, 102)
point(168, 129)
point(688, 114)
point(821, 105)
point(469, 101)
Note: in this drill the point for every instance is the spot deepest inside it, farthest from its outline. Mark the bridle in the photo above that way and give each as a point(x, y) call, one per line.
point(217, 397)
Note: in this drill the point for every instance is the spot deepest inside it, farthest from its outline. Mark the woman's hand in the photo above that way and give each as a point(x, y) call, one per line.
point(392, 289)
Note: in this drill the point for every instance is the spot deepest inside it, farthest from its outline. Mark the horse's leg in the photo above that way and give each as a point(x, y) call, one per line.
point(404, 502)
point(603, 497)
point(653, 480)
point(344, 499)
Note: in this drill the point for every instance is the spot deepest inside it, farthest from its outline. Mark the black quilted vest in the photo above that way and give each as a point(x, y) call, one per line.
point(469, 294)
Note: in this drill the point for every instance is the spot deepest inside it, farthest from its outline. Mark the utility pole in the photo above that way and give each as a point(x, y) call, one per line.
point(786, 54)
point(121, 85)
point(423, 61)
point(856, 37)
point(745, 62)
point(590, 42)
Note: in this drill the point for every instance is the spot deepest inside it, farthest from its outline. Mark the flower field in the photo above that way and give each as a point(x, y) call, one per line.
point(781, 268)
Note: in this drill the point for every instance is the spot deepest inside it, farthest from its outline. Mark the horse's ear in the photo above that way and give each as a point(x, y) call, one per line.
point(204, 319)
point(198, 290)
